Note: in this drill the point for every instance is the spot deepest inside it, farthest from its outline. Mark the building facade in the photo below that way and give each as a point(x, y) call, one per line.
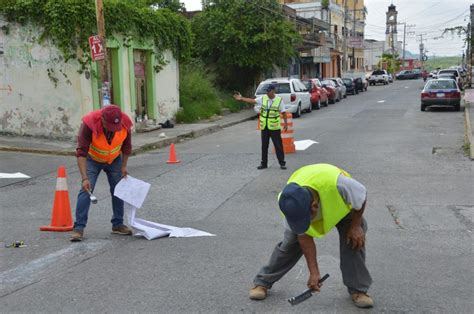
point(42, 95)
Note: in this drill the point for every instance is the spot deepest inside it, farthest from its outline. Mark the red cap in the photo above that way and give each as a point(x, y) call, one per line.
point(112, 116)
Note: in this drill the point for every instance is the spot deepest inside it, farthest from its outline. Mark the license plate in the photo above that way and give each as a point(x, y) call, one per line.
point(439, 95)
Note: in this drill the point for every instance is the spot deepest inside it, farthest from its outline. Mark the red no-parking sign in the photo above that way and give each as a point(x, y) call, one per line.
point(97, 49)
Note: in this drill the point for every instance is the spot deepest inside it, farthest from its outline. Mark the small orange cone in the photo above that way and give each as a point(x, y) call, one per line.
point(62, 219)
point(172, 159)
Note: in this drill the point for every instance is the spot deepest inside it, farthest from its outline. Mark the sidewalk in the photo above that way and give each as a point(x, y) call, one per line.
point(469, 120)
point(141, 141)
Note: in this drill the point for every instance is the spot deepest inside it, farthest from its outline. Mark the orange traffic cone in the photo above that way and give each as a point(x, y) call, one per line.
point(62, 218)
point(172, 159)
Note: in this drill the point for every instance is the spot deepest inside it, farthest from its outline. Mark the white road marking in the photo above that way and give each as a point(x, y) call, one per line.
point(16, 175)
point(33, 271)
point(381, 101)
point(304, 144)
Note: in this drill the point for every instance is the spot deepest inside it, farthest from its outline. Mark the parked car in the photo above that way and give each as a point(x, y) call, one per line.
point(341, 88)
point(406, 75)
point(390, 78)
point(441, 92)
point(360, 79)
point(332, 90)
point(433, 74)
point(319, 95)
point(378, 76)
point(295, 95)
point(455, 72)
point(350, 85)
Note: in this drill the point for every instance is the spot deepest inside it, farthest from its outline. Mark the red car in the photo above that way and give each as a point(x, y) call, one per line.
point(332, 92)
point(319, 95)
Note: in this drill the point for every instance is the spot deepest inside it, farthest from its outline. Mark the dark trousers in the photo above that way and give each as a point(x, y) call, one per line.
point(114, 175)
point(355, 275)
point(277, 142)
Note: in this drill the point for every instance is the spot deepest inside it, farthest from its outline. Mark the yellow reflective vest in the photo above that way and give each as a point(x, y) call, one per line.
point(270, 117)
point(323, 179)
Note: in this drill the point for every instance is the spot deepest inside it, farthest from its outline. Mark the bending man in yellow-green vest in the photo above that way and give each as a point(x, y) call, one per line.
point(269, 107)
point(316, 199)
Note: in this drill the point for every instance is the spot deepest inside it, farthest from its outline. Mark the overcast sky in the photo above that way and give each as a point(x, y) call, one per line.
point(429, 16)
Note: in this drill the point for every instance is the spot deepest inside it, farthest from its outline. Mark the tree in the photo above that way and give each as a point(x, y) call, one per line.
point(173, 5)
point(241, 39)
point(391, 62)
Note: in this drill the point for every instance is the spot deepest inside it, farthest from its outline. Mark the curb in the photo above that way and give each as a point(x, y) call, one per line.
point(141, 149)
point(469, 138)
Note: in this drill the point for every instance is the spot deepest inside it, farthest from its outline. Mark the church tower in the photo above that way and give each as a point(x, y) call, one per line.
point(391, 31)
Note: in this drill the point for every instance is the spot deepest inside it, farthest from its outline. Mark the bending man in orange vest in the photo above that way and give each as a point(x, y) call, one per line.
point(104, 143)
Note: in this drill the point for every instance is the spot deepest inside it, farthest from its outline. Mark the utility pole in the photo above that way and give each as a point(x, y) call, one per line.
point(422, 50)
point(103, 64)
point(354, 35)
point(405, 26)
point(344, 38)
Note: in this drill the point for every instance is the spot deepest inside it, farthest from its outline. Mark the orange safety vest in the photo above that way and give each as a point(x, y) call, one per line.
point(101, 151)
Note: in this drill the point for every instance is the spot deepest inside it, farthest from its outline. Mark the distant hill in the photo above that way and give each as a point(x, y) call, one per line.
point(442, 62)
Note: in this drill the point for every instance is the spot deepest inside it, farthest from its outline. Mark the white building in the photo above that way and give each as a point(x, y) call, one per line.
point(41, 95)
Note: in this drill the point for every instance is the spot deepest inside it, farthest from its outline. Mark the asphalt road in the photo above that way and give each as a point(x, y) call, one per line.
point(420, 216)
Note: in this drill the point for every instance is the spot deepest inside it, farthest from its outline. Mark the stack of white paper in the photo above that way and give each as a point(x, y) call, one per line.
point(133, 192)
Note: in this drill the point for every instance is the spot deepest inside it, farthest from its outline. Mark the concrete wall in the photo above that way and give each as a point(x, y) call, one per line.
point(167, 89)
point(30, 104)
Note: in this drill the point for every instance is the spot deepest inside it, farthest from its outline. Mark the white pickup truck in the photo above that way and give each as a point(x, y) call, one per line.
point(378, 76)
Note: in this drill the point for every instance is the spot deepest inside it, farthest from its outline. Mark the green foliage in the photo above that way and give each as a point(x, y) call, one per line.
point(173, 5)
point(227, 101)
point(442, 62)
point(392, 63)
point(198, 96)
point(243, 39)
point(325, 3)
point(69, 23)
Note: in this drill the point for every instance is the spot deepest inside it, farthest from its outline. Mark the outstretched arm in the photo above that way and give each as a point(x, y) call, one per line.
point(309, 251)
point(239, 97)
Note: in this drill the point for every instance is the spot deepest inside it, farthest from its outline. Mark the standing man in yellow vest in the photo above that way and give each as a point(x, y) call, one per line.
point(316, 199)
point(269, 106)
point(104, 143)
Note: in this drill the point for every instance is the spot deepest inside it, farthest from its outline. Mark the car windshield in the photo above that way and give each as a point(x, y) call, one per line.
point(347, 81)
point(379, 72)
point(307, 84)
point(454, 72)
point(281, 88)
point(328, 82)
point(442, 84)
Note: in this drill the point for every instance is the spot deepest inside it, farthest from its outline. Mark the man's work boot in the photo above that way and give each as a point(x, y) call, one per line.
point(258, 293)
point(362, 300)
point(122, 229)
point(76, 235)
point(282, 167)
point(262, 166)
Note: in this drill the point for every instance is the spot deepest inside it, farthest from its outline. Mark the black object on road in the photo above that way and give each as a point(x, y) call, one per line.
point(16, 244)
point(308, 293)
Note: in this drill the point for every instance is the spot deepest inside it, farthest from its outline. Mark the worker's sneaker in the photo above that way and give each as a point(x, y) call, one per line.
point(362, 300)
point(262, 167)
point(258, 293)
point(122, 229)
point(282, 167)
point(76, 235)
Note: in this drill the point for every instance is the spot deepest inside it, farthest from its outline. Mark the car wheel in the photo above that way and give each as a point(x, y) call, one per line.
point(423, 107)
point(327, 102)
point(357, 92)
point(310, 108)
point(319, 105)
point(298, 112)
point(457, 107)
point(345, 95)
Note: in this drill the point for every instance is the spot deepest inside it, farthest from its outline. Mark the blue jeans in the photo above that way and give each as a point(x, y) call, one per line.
point(114, 175)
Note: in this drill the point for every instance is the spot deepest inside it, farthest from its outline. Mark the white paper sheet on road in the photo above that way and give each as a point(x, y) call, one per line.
point(17, 175)
point(304, 144)
point(133, 192)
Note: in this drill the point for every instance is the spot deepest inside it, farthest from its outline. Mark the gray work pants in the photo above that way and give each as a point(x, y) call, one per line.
point(286, 254)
